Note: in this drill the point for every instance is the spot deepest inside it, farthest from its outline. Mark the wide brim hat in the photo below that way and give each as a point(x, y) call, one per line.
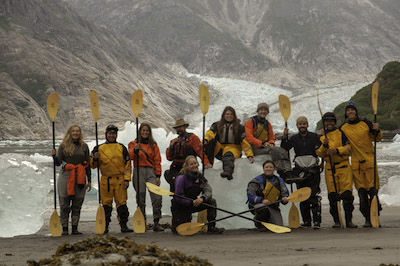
point(180, 122)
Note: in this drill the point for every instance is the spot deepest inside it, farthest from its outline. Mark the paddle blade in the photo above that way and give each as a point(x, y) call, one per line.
point(158, 190)
point(300, 195)
point(319, 106)
point(202, 218)
point(139, 225)
point(137, 102)
point(294, 217)
point(340, 215)
point(52, 105)
point(55, 224)
point(375, 88)
point(374, 213)
point(276, 228)
point(188, 229)
point(284, 106)
point(94, 103)
point(100, 220)
point(204, 96)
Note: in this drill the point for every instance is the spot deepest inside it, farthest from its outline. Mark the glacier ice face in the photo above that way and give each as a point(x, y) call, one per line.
point(23, 195)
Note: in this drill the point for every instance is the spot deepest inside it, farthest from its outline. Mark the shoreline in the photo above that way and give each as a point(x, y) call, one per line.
point(303, 246)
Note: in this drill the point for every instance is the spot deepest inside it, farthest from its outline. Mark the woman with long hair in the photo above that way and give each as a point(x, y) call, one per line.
point(191, 183)
point(145, 150)
point(74, 178)
point(226, 140)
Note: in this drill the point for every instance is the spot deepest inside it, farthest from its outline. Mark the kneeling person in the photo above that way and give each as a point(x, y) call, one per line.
point(263, 191)
point(190, 184)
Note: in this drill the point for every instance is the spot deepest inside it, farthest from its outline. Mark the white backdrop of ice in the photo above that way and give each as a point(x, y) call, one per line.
point(23, 193)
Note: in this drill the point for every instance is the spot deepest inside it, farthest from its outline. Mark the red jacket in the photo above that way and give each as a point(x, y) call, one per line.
point(77, 174)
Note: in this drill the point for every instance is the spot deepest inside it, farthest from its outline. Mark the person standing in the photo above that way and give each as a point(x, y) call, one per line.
point(73, 156)
point(190, 184)
point(184, 145)
point(361, 133)
point(115, 167)
point(336, 151)
point(148, 170)
point(304, 144)
point(226, 140)
point(262, 192)
point(261, 137)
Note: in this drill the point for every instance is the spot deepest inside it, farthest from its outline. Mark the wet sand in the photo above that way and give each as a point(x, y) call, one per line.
point(326, 246)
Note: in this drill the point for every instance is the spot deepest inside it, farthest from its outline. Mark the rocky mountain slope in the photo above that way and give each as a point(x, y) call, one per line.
point(46, 46)
point(284, 43)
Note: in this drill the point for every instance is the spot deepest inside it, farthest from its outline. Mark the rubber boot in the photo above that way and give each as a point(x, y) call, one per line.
point(107, 211)
point(214, 230)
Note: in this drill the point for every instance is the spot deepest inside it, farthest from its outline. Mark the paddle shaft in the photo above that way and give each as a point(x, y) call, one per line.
point(232, 213)
point(375, 153)
point(54, 167)
point(204, 129)
point(98, 164)
point(137, 164)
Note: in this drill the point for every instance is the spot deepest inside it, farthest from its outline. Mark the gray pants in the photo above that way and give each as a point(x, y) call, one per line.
point(147, 174)
point(268, 214)
point(279, 156)
point(69, 204)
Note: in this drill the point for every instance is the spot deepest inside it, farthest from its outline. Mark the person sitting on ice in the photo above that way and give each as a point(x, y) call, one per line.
point(262, 192)
point(261, 137)
point(225, 140)
point(190, 183)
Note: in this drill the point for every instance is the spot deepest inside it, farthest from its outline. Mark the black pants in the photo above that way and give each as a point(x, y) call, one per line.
point(313, 204)
point(183, 214)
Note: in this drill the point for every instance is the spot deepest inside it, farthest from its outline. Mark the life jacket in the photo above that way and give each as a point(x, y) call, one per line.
point(77, 175)
point(260, 131)
point(181, 148)
point(271, 193)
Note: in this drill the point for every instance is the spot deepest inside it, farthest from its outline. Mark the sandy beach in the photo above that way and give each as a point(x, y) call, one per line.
point(326, 246)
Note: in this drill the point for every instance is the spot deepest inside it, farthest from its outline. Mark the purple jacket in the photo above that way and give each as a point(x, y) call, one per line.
point(191, 185)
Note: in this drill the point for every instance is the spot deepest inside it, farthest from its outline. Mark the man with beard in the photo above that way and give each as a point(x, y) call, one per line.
point(184, 145)
point(306, 166)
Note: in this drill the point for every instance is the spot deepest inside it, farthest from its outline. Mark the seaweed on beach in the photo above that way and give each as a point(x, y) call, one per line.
point(110, 250)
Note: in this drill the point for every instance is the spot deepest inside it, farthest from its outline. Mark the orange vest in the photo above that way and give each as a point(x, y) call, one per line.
point(77, 175)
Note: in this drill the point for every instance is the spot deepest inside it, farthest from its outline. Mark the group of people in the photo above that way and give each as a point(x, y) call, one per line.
point(225, 140)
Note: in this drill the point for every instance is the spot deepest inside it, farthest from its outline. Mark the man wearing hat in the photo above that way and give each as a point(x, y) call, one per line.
point(304, 144)
point(260, 136)
point(361, 134)
point(184, 145)
point(115, 166)
point(335, 151)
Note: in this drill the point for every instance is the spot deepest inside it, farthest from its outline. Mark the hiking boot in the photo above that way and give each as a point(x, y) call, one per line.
point(317, 225)
point(215, 230)
point(157, 227)
point(262, 229)
point(75, 230)
point(106, 230)
point(367, 224)
point(306, 224)
point(350, 225)
point(65, 231)
point(124, 228)
point(336, 225)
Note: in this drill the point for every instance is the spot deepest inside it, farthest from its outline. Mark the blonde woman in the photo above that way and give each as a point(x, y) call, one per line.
point(190, 183)
point(74, 178)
